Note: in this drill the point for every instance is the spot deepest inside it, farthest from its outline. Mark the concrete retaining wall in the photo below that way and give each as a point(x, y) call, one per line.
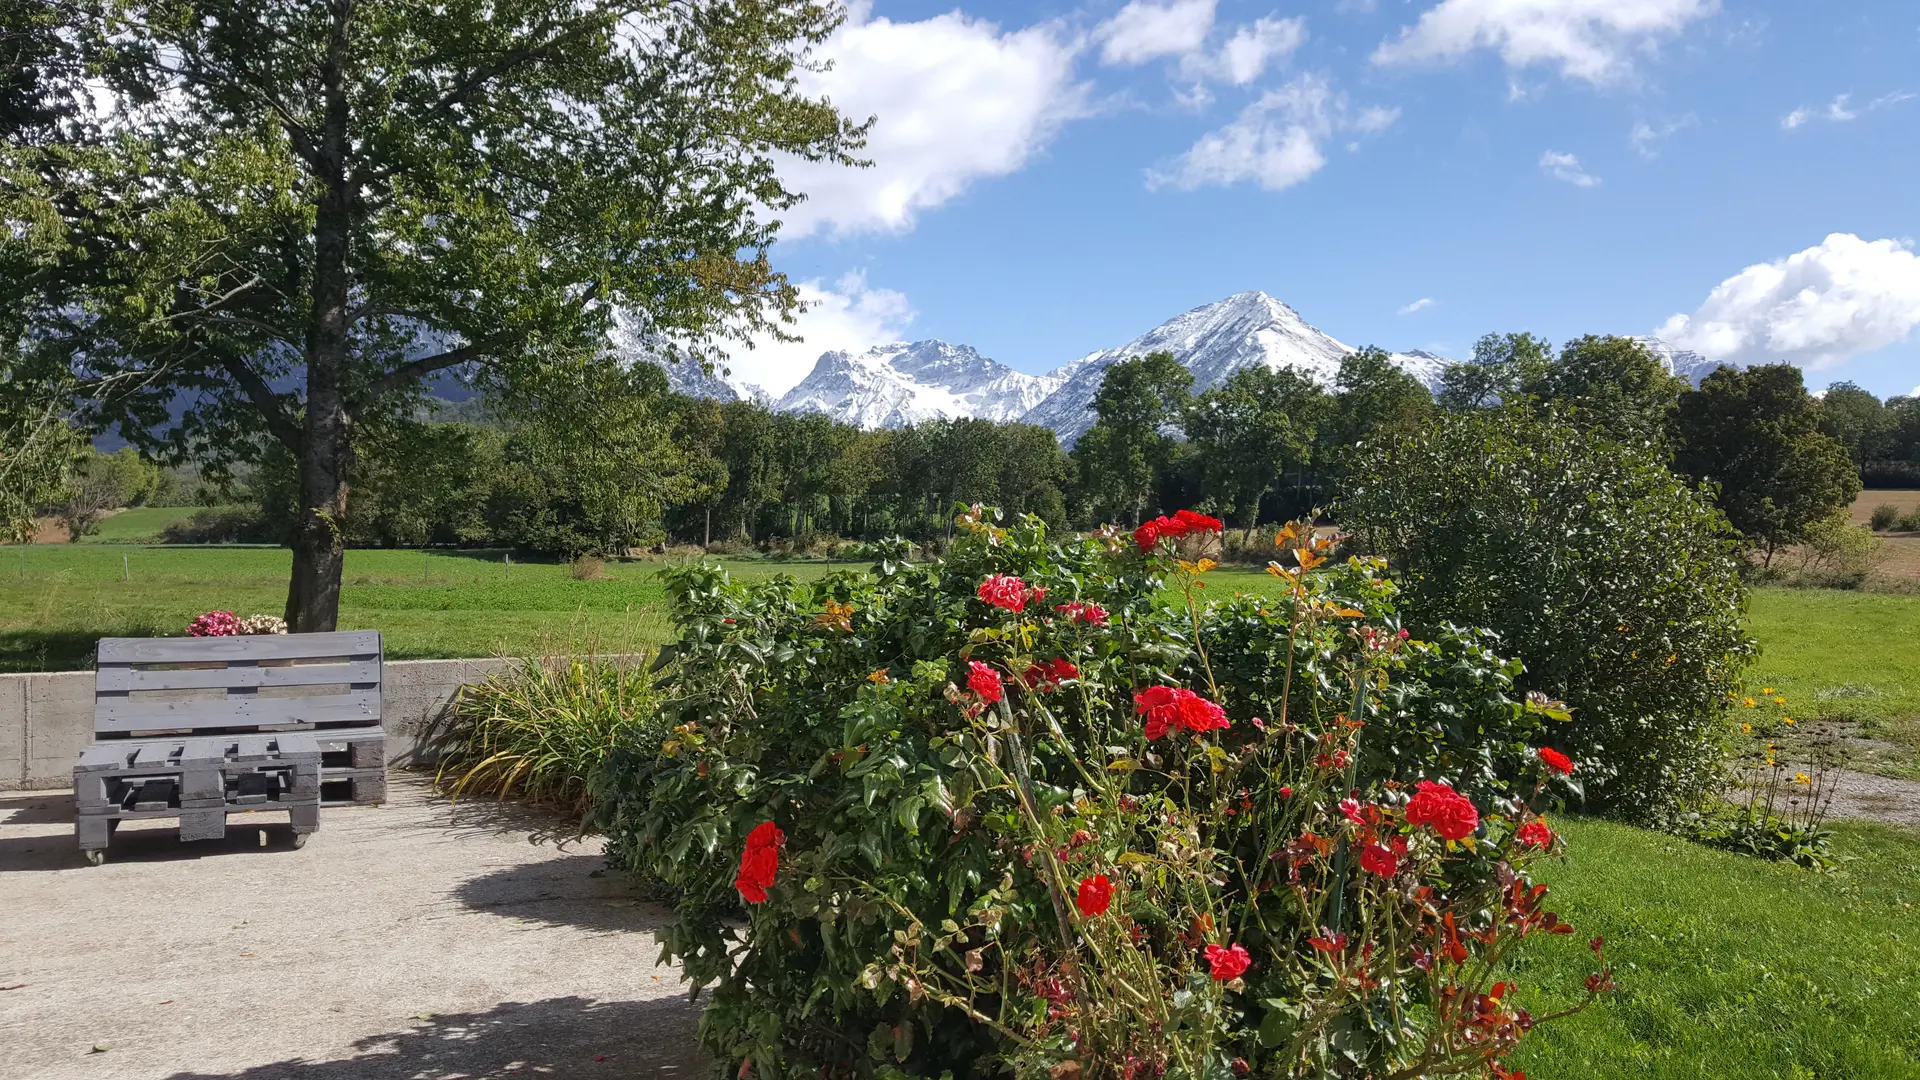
point(46, 719)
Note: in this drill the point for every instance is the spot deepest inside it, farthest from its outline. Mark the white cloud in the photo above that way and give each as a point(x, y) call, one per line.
point(1253, 47)
point(1275, 142)
point(1562, 166)
point(1144, 30)
point(1646, 137)
point(957, 100)
point(1839, 111)
point(1591, 40)
point(1815, 308)
point(845, 315)
point(1418, 305)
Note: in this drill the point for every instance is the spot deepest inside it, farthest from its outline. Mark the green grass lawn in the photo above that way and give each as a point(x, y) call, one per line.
point(141, 523)
point(1847, 656)
point(56, 600)
point(1729, 966)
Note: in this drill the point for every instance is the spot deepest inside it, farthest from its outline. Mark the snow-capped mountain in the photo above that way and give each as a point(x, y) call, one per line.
point(1214, 341)
point(1685, 363)
point(907, 382)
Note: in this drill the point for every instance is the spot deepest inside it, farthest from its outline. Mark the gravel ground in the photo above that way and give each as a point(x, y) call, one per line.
point(414, 940)
point(1878, 798)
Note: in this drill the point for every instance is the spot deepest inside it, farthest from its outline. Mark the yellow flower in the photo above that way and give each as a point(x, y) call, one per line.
point(1766, 689)
point(1672, 658)
point(1779, 701)
point(1770, 761)
point(879, 676)
point(1803, 779)
point(1746, 729)
point(1748, 703)
point(1789, 721)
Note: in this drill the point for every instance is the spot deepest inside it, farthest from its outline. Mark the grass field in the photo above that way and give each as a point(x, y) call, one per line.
point(1730, 967)
point(138, 524)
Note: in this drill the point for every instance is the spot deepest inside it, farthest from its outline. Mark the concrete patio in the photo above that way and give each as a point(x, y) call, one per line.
point(415, 940)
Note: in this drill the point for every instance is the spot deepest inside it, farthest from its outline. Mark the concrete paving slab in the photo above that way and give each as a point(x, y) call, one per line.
point(415, 940)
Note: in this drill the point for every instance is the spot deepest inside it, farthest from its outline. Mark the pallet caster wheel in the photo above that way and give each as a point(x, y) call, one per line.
point(95, 856)
point(300, 840)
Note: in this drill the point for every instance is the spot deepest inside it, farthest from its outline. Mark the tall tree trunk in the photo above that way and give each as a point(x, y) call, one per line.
point(313, 594)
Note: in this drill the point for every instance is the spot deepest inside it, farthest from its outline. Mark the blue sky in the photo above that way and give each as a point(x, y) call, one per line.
point(1053, 178)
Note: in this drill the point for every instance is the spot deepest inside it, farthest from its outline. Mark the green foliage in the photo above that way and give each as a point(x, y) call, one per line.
point(1505, 368)
point(1883, 517)
point(1122, 455)
point(1250, 430)
point(540, 730)
point(1614, 383)
point(104, 482)
point(39, 451)
point(923, 919)
point(1374, 400)
point(1612, 580)
point(1755, 433)
point(1858, 421)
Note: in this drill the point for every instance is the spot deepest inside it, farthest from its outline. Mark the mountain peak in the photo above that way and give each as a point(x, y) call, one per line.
point(904, 382)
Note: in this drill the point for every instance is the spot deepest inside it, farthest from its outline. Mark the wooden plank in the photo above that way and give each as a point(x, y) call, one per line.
point(297, 747)
point(155, 755)
point(100, 757)
point(136, 714)
point(115, 678)
point(204, 752)
point(354, 643)
point(253, 748)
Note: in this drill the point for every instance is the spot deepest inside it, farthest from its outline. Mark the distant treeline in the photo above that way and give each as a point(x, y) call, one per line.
point(621, 463)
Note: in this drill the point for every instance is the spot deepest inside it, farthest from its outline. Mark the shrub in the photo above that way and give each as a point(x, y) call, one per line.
point(1884, 517)
point(587, 568)
point(1014, 812)
point(1909, 521)
point(1614, 582)
point(539, 730)
point(231, 524)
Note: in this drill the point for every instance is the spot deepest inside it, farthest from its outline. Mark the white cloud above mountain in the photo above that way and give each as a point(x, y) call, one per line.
point(1589, 40)
point(1276, 142)
point(847, 314)
point(1815, 308)
point(958, 100)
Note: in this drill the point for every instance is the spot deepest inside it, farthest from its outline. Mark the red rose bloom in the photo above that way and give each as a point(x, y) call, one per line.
point(1534, 834)
point(1148, 534)
point(1451, 814)
point(1228, 963)
point(1096, 894)
point(1091, 614)
point(1557, 761)
point(759, 862)
point(1382, 860)
point(1190, 522)
point(1050, 675)
point(984, 681)
point(1168, 706)
point(1004, 591)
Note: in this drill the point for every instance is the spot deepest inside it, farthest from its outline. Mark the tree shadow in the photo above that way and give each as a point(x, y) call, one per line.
point(37, 651)
point(568, 1037)
point(573, 891)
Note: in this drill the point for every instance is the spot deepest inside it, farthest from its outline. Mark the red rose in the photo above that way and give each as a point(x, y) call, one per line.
point(984, 681)
point(1557, 761)
point(1004, 591)
point(1091, 614)
point(1190, 522)
point(1096, 894)
point(1451, 814)
point(1534, 834)
point(1385, 861)
point(1197, 714)
point(1168, 706)
point(759, 862)
point(1149, 534)
point(1228, 963)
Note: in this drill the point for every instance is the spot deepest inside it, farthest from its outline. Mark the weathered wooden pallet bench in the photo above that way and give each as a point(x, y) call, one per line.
point(199, 728)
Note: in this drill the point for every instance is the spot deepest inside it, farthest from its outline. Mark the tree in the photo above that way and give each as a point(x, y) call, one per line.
point(1249, 430)
point(1120, 456)
point(306, 208)
point(1755, 433)
point(1504, 368)
point(1373, 398)
point(1613, 383)
point(1613, 580)
point(104, 482)
point(1857, 421)
point(38, 453)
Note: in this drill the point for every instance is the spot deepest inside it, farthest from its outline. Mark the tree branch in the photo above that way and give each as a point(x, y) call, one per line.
point(417, 369)
point(279, 421)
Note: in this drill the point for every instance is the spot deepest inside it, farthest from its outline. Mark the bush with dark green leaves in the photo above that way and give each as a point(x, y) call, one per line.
point(1615, 582)
point(1884, 517)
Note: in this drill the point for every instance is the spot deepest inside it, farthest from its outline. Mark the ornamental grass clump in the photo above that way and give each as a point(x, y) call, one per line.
point(922, 823)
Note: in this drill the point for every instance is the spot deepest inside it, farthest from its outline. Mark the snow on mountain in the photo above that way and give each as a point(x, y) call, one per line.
point(1214, 341)
point(1685, 363)
point(907, 382)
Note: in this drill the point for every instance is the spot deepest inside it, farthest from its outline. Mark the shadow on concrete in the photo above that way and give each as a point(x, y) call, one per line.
point(566, 1037)
point(154, 841)
point(573, 891)
point(46, 808)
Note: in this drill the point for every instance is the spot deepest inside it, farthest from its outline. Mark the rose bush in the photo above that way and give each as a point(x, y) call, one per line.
point(915, 828)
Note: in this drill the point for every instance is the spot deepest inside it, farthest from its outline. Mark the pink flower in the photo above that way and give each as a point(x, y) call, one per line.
point(1229, 963)
point(1004, 591)
point(983, 681)
point(759, 862)
point(215, 624)
point(1534, 834)
point(1450, 814)
point(1350, 809)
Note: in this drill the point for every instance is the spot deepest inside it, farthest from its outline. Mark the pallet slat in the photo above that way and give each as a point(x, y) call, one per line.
point(181, 650)
point(125, 714)
point(117, 678)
